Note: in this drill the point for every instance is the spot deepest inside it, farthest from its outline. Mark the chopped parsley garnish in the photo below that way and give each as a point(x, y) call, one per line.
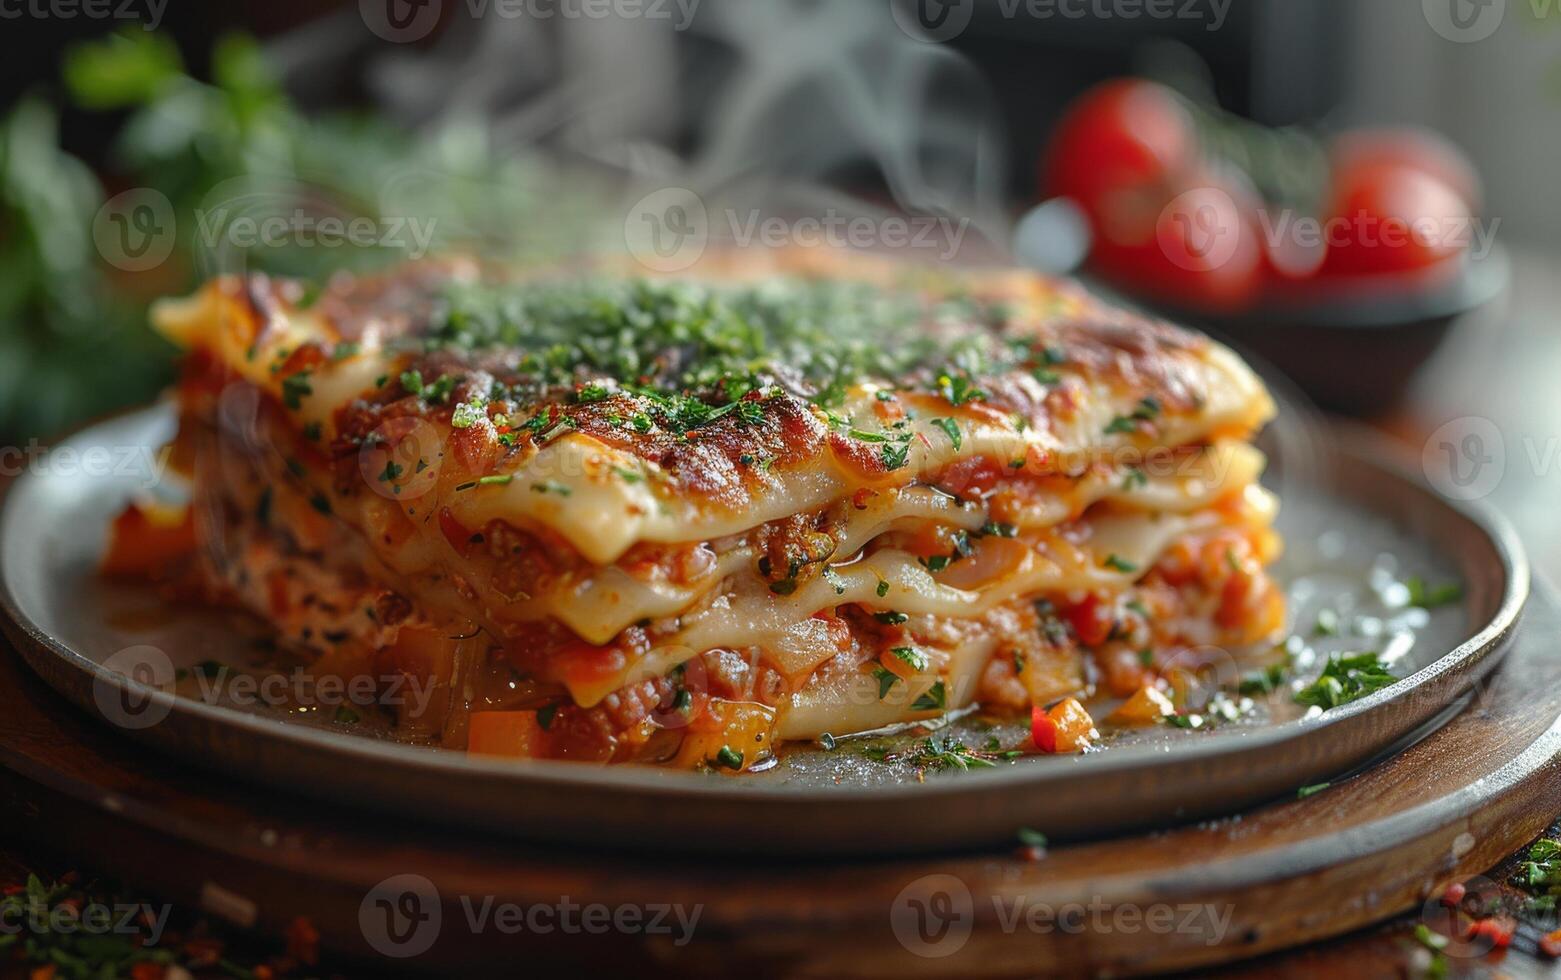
point(498, 480)
point(885, 678)
point(1032, 838)
point(729, 758)
point(1345, 679)
point(958, 389)
point(891, 618)
point(1327, 623)
point(1306, 791)
point(1540, 872)
point(294, 388)
point(1264, 681)
point(436, 391)
point(345, 349)
point(392, 470)
point(1134, 479)
point(894, 454)
point(1148, 408)
point(938, 753)
point(911, 657)
point(1426, 596)
point(996, 529)
point(933, 699)
point(883, 588)
point(835, 581)
point(545, 715)
point(469, 413)
point(551, 486)
point(1118, 563)
point(951, 429)
point(725, 338)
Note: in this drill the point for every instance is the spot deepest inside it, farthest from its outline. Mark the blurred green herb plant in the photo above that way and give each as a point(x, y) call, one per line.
point(73, 335)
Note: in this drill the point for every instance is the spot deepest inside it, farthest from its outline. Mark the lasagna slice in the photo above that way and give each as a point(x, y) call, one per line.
point(611, 518)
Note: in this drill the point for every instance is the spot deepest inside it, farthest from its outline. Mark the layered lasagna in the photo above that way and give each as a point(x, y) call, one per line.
point(783, 498)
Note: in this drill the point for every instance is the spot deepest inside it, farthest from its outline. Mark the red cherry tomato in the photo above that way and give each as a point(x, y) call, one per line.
point(1392, 218)
point(1043, 730)
point(1410, 146)
point(1205, 252)
point(1119, 135)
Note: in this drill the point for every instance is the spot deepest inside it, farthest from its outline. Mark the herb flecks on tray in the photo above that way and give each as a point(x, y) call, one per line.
point(1346, 678)
point(939, 752)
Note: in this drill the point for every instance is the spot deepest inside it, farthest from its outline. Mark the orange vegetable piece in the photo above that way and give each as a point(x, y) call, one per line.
point(145, 538)
point(1066, 728)
point(511, 734)
point(1146, 707)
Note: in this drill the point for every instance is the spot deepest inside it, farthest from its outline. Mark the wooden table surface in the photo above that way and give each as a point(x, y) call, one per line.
point(1497, 373)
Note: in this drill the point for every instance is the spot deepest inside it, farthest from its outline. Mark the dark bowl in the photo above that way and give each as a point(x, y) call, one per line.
point(1357, 351)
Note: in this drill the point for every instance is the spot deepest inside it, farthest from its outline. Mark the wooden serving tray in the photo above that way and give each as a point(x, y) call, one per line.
point(1297, 870)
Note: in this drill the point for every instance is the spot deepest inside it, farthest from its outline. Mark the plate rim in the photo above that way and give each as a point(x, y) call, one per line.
point(74, 674)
